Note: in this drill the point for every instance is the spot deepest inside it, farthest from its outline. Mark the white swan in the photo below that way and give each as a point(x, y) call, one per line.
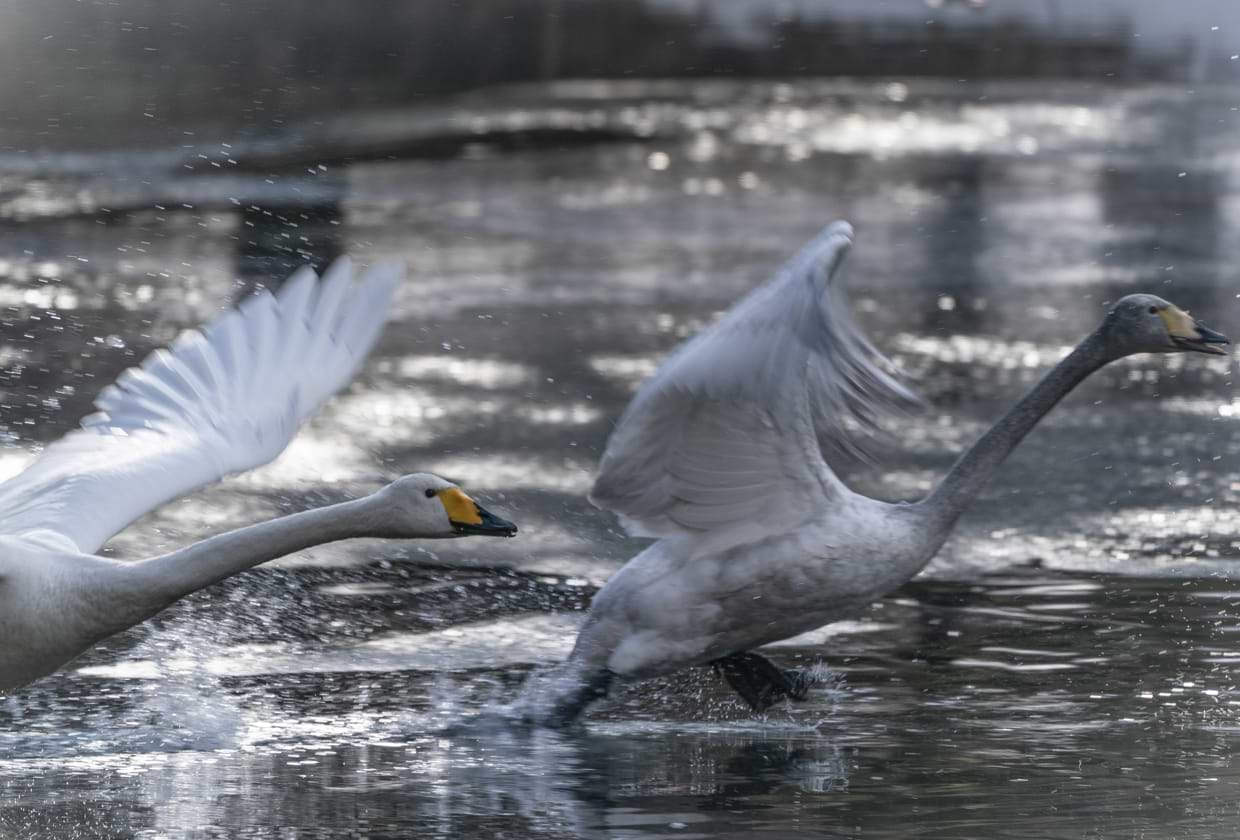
point(218, 402)
point(758, 540)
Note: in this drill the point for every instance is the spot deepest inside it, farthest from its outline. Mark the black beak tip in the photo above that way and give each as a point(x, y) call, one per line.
point(490, 526)
point(1207, 341)
point(504, 528)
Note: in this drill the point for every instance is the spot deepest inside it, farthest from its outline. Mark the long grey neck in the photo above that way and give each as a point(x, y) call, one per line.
point(976, 467)
point(172, 576)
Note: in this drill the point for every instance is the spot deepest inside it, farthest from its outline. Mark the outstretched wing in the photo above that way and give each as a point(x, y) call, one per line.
point(219, 401)
point(727, 431)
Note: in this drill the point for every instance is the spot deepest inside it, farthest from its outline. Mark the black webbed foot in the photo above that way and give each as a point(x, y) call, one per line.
point(570, 707)
point(760, 682)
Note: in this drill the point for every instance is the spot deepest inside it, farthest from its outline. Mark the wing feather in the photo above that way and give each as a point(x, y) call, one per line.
point(728, 429)
point(219, 401)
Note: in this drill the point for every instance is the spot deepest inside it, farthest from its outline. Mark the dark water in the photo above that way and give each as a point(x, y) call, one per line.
point(1063, 670)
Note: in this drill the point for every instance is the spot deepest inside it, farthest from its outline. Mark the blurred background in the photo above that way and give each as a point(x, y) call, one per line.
point(576, 186)
point(92, 75)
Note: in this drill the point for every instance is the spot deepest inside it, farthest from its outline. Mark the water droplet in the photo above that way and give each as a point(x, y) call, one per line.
point(896, 92)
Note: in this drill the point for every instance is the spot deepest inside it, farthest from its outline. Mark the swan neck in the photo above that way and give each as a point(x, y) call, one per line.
point(975, 468)
point(174, 575)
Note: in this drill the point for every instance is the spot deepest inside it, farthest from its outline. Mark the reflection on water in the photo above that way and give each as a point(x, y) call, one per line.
point(304, 699)
point(1030, 705)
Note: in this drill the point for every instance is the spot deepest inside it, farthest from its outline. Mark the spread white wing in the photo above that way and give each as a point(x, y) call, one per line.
point(727, 431)
point(220, 401)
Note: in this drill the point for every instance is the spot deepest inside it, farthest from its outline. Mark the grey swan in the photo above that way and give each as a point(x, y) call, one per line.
point(718, 457)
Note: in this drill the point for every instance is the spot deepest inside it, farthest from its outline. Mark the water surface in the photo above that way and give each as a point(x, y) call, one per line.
point(1064, 669)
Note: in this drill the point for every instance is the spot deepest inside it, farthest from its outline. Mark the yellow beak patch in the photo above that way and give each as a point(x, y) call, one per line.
point(461, 509)
point(1179, 323)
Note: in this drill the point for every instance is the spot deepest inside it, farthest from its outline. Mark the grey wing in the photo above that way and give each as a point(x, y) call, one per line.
point(727, 431)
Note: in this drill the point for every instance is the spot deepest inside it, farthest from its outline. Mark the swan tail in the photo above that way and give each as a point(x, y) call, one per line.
point(760, 682)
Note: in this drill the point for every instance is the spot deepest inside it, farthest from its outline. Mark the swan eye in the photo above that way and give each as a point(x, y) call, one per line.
point(430, 494)
point(1153, 310)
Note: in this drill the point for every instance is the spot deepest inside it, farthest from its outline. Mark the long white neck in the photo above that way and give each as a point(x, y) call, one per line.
point(165, 579)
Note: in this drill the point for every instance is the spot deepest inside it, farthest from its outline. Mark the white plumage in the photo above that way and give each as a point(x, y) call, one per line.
point(217, 402)
point(220, 401)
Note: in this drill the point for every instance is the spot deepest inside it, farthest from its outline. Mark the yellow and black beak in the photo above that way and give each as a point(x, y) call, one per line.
point(470, 518)
point(1190, 334)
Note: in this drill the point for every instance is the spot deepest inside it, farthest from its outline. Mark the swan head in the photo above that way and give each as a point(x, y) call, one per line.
point(1149, 324)
point(424, 505)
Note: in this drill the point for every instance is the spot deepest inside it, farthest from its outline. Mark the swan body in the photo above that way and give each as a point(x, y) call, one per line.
point(220, 401)
point(683, 601)
point(719, 457)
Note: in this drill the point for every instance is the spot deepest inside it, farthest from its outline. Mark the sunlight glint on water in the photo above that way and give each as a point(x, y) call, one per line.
point(1064, 671)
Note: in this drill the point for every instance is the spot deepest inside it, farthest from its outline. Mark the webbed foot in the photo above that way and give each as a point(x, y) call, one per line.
point(760, 682)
